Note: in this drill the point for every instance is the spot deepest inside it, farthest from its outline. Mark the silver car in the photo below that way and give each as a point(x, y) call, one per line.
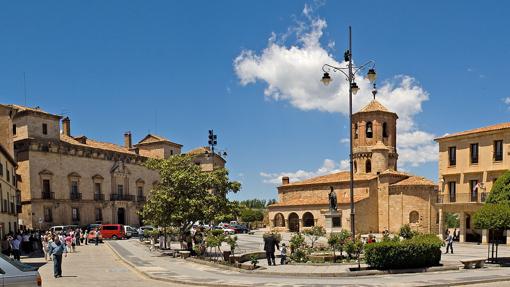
point(16, 274)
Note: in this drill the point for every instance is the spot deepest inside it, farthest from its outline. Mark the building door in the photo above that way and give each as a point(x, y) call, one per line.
point(121, 216)
point(293, 222)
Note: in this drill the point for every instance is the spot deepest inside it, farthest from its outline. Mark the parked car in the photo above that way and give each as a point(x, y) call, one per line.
point(113, 231)
point(239, 228)
point(141, 229)
point(57, 228)
point(92, 236)
point(15, 273)
point(92, 226)
point(130, 231)
point(226, 229)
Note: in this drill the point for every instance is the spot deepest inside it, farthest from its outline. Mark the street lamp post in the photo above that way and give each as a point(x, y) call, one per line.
point(350, 73)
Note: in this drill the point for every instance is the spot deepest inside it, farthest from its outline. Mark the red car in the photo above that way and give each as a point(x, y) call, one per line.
point(112, 231)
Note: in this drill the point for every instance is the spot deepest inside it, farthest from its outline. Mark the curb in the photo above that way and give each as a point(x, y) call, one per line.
point(194, 283)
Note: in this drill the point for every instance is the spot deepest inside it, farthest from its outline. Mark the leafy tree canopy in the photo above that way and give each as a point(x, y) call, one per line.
point(493, 216)
point(500, 191)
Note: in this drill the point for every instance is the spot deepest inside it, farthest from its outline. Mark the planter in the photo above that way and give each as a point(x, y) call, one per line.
point(321, 257)
point(226, 256)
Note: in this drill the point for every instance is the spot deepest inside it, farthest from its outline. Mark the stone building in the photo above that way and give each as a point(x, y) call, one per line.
point(469, 164)
point(385, 199)
point(9, 193)
point(68, 179)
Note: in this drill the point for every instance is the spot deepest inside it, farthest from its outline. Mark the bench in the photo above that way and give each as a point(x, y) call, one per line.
point(469, 263)
point(184, 254)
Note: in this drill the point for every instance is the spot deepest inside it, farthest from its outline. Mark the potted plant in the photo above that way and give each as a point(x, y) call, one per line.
point(254, 261)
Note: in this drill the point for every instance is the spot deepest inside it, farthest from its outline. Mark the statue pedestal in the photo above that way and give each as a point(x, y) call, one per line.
point(333, 221)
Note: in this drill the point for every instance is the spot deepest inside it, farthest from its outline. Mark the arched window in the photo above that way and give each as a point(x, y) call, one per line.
point(279, 220)
point(308, 220)
point(355, 167)
point(414, 216)
point(385, 130)
point(369, 130)
point(368, 166)
point(356, 132)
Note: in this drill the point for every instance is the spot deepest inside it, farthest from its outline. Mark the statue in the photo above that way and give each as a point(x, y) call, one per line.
point(332, 200)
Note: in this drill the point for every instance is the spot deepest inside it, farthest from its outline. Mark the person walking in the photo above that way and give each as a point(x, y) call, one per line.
point(97, 236)
point(86, 236)
point(15, 245)
point(45, 246)
point(6, 247)
point(269, 246)
point(283, 254)
point(56, 249)
point(449, 243)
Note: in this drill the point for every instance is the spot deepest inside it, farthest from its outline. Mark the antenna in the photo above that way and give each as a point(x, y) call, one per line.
point(25, 87)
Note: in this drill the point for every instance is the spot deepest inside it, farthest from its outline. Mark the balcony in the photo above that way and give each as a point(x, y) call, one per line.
point(478, 197)
point(98, 197)
point(122, 197)
point(47, 195)
point(75, 196)
point(140, 198)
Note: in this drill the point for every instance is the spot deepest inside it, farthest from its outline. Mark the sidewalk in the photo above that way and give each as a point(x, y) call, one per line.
point(165, 268)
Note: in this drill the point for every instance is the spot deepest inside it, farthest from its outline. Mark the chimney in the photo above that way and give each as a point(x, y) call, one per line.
point(66, 126)
point(127, 140)
point(285, 180)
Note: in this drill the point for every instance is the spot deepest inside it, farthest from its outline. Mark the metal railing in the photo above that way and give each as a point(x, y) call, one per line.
point(123, 197)
point(462, 197)
point(98, 196)
point(75, 196)
point(140, 198)
point(47, 195)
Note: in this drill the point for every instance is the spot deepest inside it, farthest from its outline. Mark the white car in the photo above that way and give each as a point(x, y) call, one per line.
point(228, 230)
point(17, 274)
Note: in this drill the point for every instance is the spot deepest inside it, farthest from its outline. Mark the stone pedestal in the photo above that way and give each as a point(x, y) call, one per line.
point(330, 216)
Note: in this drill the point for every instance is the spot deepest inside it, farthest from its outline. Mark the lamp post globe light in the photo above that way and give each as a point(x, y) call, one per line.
point(350, 72)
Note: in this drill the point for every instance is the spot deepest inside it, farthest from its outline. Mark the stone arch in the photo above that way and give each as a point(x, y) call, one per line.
point(369, 130)
point(368, 166)
point(356, 130)
point(293, 222)
point(279, 220)
point(414, 216)
point(308, 220)
point(355, 167)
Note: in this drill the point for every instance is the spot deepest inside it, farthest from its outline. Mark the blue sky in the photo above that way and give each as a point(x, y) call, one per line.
point(250, 70)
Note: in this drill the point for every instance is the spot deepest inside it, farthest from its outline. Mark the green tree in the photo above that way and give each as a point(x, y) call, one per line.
point(251, 215)
point(185, 194)
point(493, 216)
point(500, 192)
point(406, 232)
point(337, 241)
point(314, 234)
point(452, 220)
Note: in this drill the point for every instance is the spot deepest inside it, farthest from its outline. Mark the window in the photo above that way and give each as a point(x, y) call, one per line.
point(355, 167)
point(140, 191)
point(498, 150)
point(44, 129)
point(74, 187)
point(171, 152)
point(279, 220)
point(368, 166)
point(369, 131)
point(473, 187)
point(120, 189)
point(452, 191)
point(99, 214)
point(110, 227)
point(414, 217)
point(474, 153)
point(337, 221)
point(48, 217)
point(75, 214)
point(385, 130)
point(356, 132)
point(452, 156)
point(97, 188)
point(308, 220)
point(46, 186)
point(1, 169)
point(8, 174)
point(14, 129)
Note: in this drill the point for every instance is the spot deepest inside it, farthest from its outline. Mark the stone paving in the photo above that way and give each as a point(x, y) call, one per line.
point(179, 270)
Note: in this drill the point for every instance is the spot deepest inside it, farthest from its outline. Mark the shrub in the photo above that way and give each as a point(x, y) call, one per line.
point(314, 233)
point(420, 251)
point(353, 248)
point(406, 232)
point(297, 241)
point(299, 255)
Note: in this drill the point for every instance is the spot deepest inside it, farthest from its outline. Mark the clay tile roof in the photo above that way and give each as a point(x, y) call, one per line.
point(496, 127)
point(331, 178)
point(374, 106)
point(199, 150)
point(37, 110)
point(96, 144)
point(317, 201)
point(394, 172)
point(414, 180)
point(150, 139)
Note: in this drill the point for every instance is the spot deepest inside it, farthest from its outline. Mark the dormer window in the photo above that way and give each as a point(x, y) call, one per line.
point(369, 130)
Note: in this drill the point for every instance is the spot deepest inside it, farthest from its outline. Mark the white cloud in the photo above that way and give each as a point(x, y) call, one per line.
point(507, 100)
point(328, 166)
point(292, 74)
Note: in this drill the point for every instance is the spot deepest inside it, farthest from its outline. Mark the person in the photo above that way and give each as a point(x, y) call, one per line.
point(269, 246)
point(283, 254)
point(45, 246)
point(86, 236)
point(449, 243)
point(56, 249)
point(77, 235)
point(455, 238)
point(97, 236)
point(15, 245)
point(161, 241)
point(6, 247)
point(68, 242)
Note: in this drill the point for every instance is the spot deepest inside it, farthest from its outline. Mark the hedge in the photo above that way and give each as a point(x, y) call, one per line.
point(420, 251)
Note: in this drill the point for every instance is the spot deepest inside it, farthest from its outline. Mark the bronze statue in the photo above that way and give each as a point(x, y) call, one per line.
point(333, 205)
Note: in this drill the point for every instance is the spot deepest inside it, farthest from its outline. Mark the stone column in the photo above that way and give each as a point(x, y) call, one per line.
point(485, 236)
point(286, 224)
point(507, 237)
point(441, 224)
point(462, 236)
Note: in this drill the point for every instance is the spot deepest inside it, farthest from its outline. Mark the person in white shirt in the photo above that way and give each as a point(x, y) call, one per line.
point(15, 244)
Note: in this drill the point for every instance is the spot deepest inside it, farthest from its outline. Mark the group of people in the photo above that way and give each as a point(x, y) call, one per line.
point(16, 244)
point(271, 244)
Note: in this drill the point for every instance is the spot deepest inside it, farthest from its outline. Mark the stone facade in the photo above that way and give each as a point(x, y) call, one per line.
point(385, 199)
point(69, 179)
point(469, 164)
point(9, 194)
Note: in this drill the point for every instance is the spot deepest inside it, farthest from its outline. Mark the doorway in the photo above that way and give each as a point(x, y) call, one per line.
point(293, 222)
point(121, 216)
